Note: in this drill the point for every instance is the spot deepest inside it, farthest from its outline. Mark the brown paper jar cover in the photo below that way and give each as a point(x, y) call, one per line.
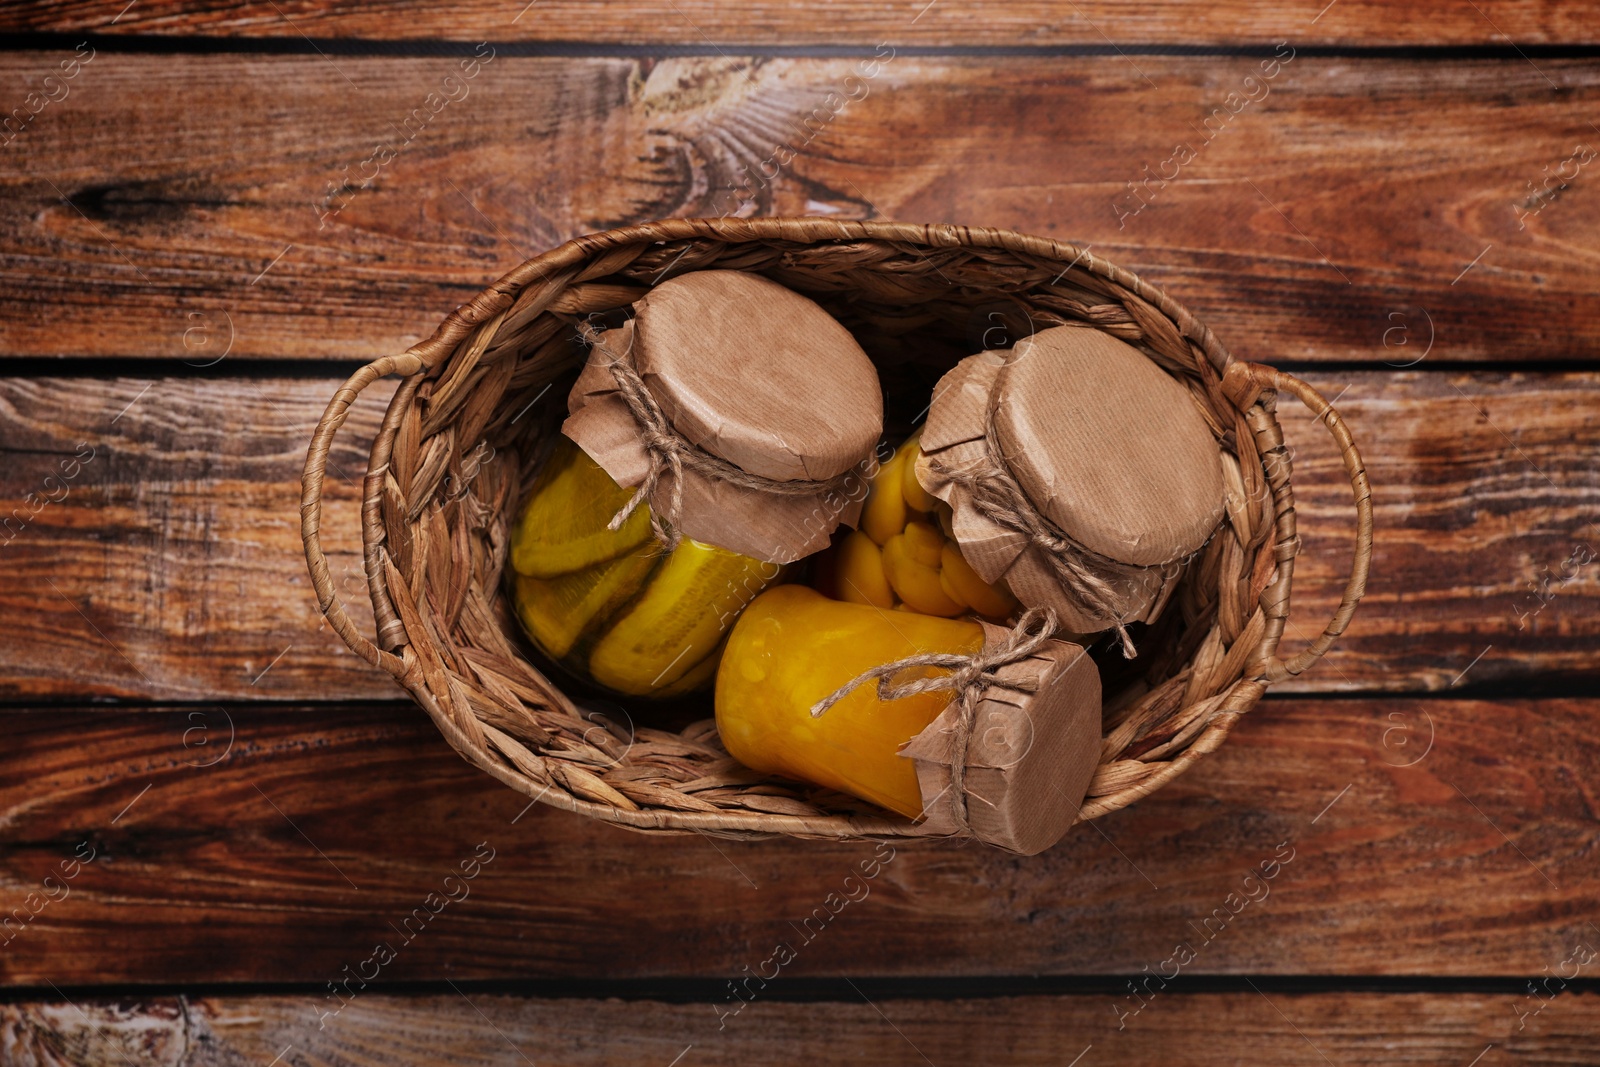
point(1109, 449)
point(1030, 755)
point(756, 375)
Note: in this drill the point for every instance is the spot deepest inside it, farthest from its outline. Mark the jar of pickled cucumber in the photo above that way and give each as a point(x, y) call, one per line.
point(616, 607)
point(720, 434)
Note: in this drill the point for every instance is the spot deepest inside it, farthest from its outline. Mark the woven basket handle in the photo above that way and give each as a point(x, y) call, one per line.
point(311, 504)
point(1245, 382)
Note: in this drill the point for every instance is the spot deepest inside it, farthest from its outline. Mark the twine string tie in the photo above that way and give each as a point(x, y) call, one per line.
point(968, 678)
point(670, 452)
point(1091, 578)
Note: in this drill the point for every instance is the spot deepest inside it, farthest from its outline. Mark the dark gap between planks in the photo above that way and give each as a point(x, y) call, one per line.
point(332, 368)
point(836, 990)
point(354, 46)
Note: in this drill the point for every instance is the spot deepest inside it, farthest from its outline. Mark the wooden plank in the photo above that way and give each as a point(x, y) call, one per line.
point(1489, 479)
point(702, 23)
point(1357, 203)
point(1205, 1030)
point(173, 570)
point(171, 567)
point(1360, 836)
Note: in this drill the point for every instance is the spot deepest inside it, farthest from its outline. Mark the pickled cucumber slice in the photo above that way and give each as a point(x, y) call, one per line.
point(563, 526)
point(679, 619)
point(556, 611)
point(698, 677)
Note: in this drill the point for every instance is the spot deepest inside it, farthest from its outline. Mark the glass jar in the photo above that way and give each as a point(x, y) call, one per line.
point(797, 697)
point(615, 608)
point(903, 556)
point(792, 648)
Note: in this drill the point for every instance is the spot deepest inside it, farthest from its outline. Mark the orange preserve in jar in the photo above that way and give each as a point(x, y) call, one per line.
point(969, 728)
point(792, 648)
point(903, 556)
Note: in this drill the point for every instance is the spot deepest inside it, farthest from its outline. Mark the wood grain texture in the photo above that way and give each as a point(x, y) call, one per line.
point(703, 23)
point(1411, 837)
point(172, 568)
point(187, 580)
point(1207, 1030)
point(184, 206)
point(1492, 479)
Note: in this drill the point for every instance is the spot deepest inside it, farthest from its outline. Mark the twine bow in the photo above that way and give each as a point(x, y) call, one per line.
point(670, 451)
point(970, 676)
point(1089, 576)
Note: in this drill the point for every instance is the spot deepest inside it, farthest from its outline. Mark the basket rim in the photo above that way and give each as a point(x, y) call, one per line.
point(1249, 388)
point(805, 229)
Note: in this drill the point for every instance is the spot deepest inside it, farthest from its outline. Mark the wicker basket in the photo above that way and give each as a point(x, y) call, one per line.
point(449, 465)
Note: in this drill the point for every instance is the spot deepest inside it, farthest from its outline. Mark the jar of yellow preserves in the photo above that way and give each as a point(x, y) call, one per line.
point(971, 728)
point(902, 554)
point(795, 649)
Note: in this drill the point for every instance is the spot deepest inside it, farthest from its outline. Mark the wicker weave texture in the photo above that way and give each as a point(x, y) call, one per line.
point(457, 445)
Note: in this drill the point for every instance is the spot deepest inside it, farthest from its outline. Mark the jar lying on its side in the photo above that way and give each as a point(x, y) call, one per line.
point(974, 729)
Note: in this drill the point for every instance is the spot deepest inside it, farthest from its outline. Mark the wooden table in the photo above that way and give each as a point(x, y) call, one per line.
point(211, 812)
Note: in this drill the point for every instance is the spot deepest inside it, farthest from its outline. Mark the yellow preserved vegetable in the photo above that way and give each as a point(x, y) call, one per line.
point(901, 555)
point(792, 647)
point(613, 607)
